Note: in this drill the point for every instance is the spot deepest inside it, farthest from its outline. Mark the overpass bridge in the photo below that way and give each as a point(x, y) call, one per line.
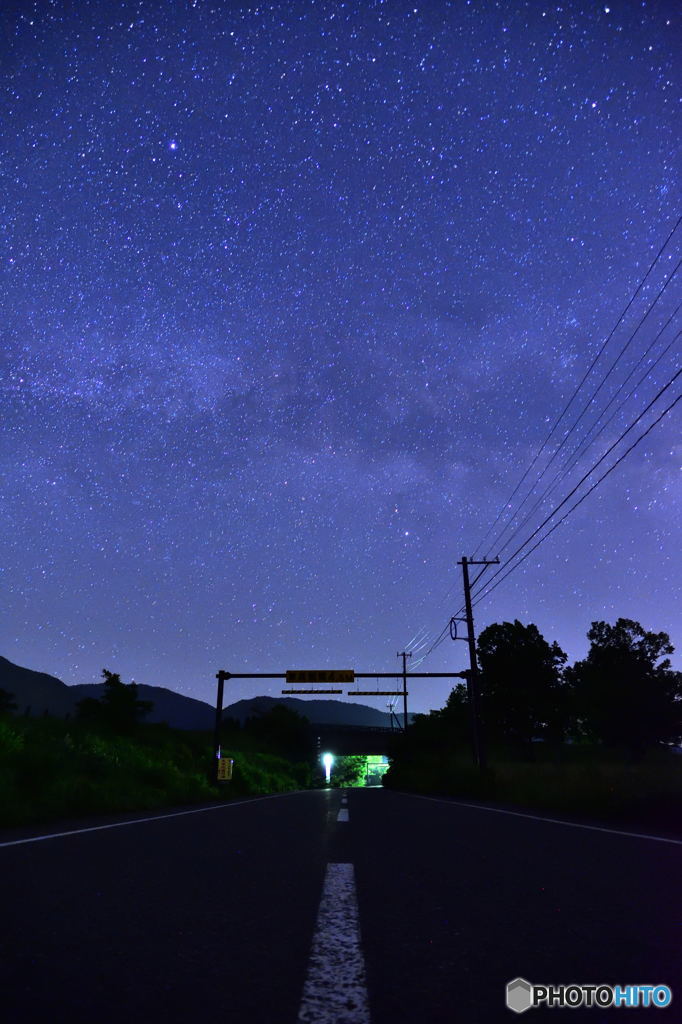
point(342, 740)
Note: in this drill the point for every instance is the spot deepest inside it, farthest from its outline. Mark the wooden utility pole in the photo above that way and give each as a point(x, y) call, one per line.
point(220, 676)
point(477, 737)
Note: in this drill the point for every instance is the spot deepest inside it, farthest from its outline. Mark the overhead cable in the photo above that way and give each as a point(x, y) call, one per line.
point(580, 385)
point(489, 590)
point(588, 474)
point(575, 423)
point(582, 445)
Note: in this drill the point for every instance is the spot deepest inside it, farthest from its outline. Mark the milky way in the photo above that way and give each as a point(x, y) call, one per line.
point(292, 295)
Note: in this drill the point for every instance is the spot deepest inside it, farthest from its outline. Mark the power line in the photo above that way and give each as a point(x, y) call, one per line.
point(641, 437)
point(436, 643)
point(578, 388)
point(441, 637)
point(636, 366)
point(632, 390)
point(588, 473)
point(491, 585)
point(581, 446)
point(580, 415)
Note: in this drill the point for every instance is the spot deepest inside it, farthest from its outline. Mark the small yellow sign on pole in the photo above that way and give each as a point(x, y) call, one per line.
point(225, 769)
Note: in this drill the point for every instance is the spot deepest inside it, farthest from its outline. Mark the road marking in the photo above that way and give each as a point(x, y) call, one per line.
point(344, 800)
point(554, 821)
point(335, 990)
point(342, 815)
point(140, 821)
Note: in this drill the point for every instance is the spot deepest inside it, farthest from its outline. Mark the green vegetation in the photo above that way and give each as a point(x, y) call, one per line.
point(354, 770)
point(593, 739)
point(108, 760)
point(349, 770)
point(377, 766)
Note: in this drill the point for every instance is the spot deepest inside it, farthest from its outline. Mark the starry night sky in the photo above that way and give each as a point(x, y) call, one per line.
point(292, 294)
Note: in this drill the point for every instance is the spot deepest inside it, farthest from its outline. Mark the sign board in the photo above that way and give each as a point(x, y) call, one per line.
point(225, 769)
point(306, 690)
point(311, 675)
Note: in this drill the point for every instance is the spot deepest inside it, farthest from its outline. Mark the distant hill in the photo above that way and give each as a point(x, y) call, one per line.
point(36, 693)
point(175, 709)
point(320, 712)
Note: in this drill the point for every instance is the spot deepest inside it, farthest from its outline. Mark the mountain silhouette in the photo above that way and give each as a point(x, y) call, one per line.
point(37, 693)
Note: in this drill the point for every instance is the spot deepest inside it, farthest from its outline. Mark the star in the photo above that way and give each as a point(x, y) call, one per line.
point(384, 254)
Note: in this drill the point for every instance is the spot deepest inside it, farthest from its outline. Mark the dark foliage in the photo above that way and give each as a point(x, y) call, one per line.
point(119, 709)
point(281, 731)
point(7, 703)
point(624, 695)
point(441, 729)
point(522, 696)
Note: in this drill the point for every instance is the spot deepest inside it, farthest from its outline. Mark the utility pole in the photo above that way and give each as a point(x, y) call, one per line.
point(220, 676)
point(405, 655)
point(477, 738)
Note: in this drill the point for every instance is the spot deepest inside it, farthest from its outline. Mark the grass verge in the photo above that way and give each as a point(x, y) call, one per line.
point(646, 794)
point(51, 769)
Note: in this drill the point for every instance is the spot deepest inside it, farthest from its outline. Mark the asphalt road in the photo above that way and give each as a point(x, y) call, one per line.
point(211, 915)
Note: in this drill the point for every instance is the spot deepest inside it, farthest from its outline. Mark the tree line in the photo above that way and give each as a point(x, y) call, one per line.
point(623, 695)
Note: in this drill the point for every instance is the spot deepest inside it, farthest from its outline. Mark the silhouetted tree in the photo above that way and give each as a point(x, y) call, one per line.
point(443, 728)
point(7, 702)
point(118, 710)
point(281, 731)
point(522, 696)
point(624, 694)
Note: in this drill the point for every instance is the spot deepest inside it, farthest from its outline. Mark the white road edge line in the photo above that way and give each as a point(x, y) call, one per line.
point(140, 821)
point(538, 817)
point(342, 815)
point(335, 990)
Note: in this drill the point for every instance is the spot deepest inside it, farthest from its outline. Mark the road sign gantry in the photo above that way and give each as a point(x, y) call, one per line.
point(328, 676)
point(356, 675)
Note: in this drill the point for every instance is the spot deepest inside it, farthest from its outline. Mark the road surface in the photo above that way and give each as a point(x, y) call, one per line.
point(386, 908)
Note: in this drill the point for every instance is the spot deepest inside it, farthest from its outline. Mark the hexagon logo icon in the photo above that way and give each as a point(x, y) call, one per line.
point(519, 995)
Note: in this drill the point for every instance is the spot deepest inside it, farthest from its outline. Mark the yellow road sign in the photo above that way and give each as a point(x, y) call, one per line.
point(311, 675)
point(225, 769)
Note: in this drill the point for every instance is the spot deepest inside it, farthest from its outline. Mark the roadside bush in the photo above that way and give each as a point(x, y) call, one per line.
point(51, 768)
point(585, 782)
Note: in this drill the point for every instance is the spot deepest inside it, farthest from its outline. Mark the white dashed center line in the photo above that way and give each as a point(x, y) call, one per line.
point(342, 815)
point(335, 991)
